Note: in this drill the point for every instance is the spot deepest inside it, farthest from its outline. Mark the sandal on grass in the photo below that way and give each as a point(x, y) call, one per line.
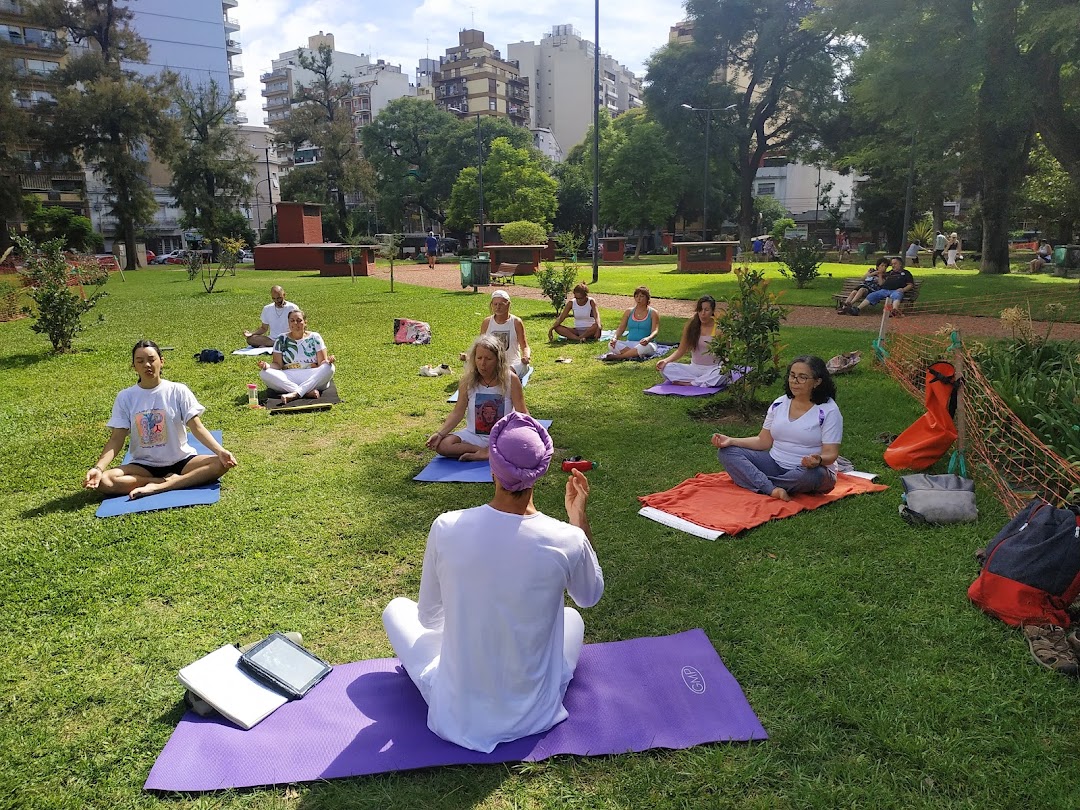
point(886, 438)
point(1050, 649)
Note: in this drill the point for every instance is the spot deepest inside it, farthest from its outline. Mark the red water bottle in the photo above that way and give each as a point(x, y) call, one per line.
point(578, 463)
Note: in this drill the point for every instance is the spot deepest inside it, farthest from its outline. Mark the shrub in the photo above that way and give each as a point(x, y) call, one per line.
point(523, 232)
point(748, 335)
point(557, 282)
point(57, 310)
point(801, 260)
point(230, 252)
point(780, 227)
point(10, 295)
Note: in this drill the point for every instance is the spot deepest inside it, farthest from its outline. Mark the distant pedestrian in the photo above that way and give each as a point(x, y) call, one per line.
point(952, 250)
point(939, 248)
point(432, 245)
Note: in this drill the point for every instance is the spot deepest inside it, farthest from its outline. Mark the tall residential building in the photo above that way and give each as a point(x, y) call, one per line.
point(474, 79)
point(35, 53)
point(266, 179)
point(374, 85)
point(560, 74)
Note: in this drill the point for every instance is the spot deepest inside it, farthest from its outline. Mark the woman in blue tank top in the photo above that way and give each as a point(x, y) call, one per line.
point(640, 324)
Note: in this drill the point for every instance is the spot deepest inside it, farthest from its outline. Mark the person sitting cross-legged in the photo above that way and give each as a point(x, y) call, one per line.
point(586, 317)
point(300, 366)
point(704, 368)
point(489, 644)
point(639, 324)
point(157, 415)
point(275, 320)
point(487, 392)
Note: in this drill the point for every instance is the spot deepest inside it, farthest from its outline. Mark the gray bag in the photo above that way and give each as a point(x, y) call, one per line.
point(938, 499)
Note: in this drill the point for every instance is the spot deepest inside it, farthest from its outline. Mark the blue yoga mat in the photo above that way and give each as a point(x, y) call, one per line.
point(445, 470)
point(195, 496)
point(367, 717)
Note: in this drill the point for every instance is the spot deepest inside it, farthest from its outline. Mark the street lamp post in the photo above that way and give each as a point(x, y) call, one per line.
point(705, 191)
point(269, 190)
point(596, 146)
point(479, 175)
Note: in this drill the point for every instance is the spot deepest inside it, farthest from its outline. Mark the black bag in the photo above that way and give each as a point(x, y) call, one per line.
point(210, 356)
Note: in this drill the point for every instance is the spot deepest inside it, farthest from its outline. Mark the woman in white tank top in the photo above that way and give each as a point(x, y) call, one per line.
point(586, 317)
point(509, 331)
point(703, 369)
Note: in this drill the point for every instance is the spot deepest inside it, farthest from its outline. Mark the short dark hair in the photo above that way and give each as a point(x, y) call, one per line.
point(643, 289)
point(144, 344)
point(821, 393)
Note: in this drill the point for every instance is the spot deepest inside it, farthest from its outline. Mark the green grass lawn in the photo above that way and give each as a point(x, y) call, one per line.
point(880, 686)
point(952, 288)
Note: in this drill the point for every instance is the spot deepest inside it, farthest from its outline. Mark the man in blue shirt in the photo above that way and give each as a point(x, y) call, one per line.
point(432, 245)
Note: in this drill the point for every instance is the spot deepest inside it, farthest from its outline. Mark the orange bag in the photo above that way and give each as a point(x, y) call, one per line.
point(932, 434)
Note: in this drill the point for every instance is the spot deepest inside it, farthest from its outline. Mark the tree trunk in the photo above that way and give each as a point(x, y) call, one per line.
point(132, 258)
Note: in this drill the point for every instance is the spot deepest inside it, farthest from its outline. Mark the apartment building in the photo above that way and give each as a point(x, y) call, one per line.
point(266, 180)
point(35, 53)
point(560, 72)
point(474, 79)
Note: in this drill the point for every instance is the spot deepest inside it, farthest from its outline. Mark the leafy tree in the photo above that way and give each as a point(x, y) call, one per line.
point(523, 232)
point(573, 211)
point(58, 310)
point(516, 185)
point(464, 207)
point(234, 224)
point(760, 55)
point(210, 163)
point(319, 120)
point(54, 222)
point(1049, 196)
point(106, 111)
point(1049, 36)
point(643, 179)
point(769, 210)
point(13, 128)
point(800, 259)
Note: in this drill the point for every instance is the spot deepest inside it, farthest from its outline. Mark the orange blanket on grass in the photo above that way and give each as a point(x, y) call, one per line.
point(715, 501)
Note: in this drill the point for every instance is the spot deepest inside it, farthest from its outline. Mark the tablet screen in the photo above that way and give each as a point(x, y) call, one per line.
point(290, 664)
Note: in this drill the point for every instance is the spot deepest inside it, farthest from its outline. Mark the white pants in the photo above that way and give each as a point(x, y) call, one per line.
point(643, 350)
point(297, 380)
point(693, 374)
point(418, 648)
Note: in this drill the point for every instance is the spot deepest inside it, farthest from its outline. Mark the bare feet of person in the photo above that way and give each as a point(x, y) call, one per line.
point(475, 455)
point(157, 485)
point(289, 397)
point(313, 393)
point(781, 494)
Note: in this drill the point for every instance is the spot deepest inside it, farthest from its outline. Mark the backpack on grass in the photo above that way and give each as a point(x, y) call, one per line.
point(1031, 569)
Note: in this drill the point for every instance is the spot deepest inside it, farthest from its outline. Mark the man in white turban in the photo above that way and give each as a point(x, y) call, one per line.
point(490, 645)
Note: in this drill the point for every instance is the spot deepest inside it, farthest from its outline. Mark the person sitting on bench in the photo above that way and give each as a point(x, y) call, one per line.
point(1043, 257)
point(487, 392)
point(640, 324)
point(300, 366)
point(489, 644)
point(896, 282)
point(275, 320)
point(704, 368)
point(157, 415)
point(798, 445)
point(871, 283)
point(586, 317)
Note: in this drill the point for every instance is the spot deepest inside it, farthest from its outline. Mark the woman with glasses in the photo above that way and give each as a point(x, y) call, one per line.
point(797, 448)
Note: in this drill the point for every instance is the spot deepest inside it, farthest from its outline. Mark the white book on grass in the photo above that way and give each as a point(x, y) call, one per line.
point(218, 680)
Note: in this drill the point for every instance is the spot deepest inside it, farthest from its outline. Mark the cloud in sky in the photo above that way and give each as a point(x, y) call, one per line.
point(404, 32)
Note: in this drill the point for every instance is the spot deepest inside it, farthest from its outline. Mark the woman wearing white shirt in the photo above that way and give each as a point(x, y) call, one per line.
point(797, 448)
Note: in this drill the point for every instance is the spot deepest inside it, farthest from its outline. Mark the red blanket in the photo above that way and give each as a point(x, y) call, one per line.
point(713, 500)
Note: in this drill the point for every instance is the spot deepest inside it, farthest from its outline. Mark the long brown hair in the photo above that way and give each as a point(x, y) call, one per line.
point(693, 328)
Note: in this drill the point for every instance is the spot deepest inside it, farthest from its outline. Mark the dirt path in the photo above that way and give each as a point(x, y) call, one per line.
point(445, 277)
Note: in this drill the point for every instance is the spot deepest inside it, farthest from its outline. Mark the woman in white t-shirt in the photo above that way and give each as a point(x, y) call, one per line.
point(487, 392)
point(797, 448)
point(704, 368)
point(300, 367)
point(157, 415)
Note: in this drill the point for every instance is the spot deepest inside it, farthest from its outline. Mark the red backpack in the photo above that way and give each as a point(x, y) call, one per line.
point(1031, 569)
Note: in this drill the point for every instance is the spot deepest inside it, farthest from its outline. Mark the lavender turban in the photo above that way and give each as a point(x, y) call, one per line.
point(519, 451)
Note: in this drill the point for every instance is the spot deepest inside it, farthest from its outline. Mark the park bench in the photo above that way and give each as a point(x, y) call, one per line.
point(504, 274)
point(852, 284)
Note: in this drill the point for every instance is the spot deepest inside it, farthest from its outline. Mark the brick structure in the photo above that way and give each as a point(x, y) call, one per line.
point(302, 246)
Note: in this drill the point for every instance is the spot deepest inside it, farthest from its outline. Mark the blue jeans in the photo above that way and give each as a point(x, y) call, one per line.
point(758, 471)
point(878, 296)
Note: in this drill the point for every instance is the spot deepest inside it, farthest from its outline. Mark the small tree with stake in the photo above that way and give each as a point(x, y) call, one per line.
point(801, 260)
point(388, 249)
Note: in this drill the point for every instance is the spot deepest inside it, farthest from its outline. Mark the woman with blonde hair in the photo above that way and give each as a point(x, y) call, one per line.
point(488, 391)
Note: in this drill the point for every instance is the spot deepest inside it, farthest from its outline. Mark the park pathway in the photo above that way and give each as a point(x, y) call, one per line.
point(446, 277)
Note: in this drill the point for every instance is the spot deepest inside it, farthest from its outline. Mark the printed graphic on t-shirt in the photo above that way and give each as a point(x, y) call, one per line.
point(504, 339)
point(152, 429)
point(489, 410)
point(296, 354)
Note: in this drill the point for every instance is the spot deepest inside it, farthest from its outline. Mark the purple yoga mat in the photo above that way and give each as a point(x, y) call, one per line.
point(672, 390)
point(367, 717)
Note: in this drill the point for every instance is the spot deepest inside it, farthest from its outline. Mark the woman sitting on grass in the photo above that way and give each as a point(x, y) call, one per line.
point(157, 415)
point(586, 317)
point(703, 368)
point(640, 324)
point(487, 392)
point(300, 366)
point(797, 448)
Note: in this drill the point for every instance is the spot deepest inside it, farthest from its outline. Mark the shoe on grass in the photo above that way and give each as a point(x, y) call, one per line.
point(853, 311)
point(442, 369)
point(428, 371)
point(1050, 648)
point(1073, 640)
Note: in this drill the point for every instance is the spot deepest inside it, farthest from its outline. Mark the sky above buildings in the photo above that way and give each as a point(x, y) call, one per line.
point(404, 31)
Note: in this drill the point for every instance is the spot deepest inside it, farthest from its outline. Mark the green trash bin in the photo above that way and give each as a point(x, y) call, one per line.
point(865, 249)
point(481, 270)
point(466, 273)
point(1061, 255)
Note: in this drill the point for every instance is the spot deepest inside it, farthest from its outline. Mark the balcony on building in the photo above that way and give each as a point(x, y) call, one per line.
point(277, 73)
point(230, 23)
point(227, 4)
point(233, 46)
point(236, 68)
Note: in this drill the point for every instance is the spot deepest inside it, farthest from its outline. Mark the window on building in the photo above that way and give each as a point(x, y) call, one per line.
point(40, 38)
point(493, 104)
point(12, 33)
point(766, 189)
point(493, 86)
point(41, 67)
